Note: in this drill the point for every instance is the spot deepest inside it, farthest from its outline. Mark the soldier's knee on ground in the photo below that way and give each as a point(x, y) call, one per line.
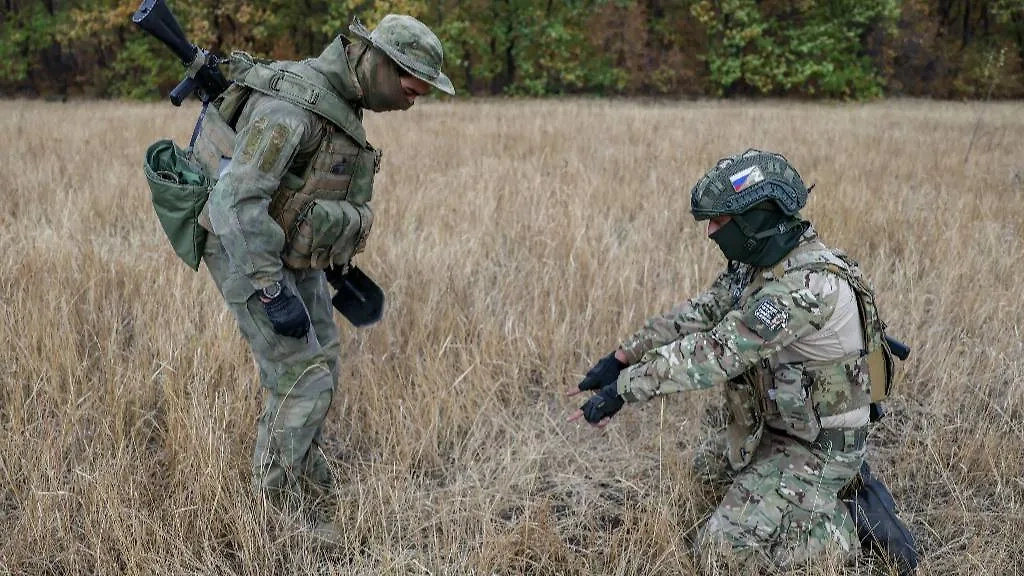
point(821, 538)
point(718, 554)
point(764, 515)
point(727, 548)
point(710, 464)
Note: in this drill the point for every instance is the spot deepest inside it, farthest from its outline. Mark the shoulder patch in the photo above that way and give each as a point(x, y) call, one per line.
point(771, 314)
point(252, 142)
point(275, 144)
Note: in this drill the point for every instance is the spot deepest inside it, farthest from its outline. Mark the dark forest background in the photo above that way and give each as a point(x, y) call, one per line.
point(841, 49)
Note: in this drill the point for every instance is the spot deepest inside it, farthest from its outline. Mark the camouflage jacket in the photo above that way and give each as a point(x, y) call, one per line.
point(297, 189)
point(788, 343)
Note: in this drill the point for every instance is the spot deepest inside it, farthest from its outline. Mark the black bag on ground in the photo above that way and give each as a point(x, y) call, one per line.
point(878, 527)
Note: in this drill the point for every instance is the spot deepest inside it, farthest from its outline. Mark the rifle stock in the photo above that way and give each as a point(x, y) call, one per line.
point(202, 76)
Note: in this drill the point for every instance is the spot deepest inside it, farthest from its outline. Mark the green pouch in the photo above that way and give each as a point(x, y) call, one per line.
point(328, 232)
point(179, 191)
point(794, 403)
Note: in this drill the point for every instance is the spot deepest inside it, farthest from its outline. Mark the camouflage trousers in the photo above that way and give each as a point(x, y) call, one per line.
point(299, 376)
point(782, 508)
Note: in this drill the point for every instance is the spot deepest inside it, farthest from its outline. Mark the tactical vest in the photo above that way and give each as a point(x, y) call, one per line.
point(792, 398)
point(325, 212)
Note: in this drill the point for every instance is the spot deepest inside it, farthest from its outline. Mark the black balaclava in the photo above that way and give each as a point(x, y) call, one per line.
point(378, 78)
point(760, 236)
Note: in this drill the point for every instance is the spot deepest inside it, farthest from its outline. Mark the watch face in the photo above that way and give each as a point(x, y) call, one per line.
point(272, 291)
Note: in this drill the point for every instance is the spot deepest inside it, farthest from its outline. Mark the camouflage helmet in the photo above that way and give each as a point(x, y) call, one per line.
point(411, 45)
point(740, 182)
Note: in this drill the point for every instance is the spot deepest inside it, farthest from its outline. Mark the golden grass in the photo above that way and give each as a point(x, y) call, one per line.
point(517, 242)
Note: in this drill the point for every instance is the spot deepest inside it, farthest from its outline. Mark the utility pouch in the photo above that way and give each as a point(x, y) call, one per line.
point(214, 143)
point(793, 401)
point(231, 102)
point(179, 189)
point(746, 427)
point(881, 369)
point(325, 233)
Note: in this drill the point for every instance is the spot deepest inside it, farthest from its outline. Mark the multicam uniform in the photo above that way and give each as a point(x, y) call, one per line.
point(789, 346)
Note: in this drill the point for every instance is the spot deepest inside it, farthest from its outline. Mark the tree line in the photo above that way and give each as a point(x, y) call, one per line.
point(837, 49)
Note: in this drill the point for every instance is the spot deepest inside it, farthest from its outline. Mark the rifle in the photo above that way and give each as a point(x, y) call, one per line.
point(202, 75)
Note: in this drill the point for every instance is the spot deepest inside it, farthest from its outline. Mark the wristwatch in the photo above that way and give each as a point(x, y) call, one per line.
point(270, 292)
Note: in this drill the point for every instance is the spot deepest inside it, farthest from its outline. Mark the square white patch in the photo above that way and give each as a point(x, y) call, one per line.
point(771, 315)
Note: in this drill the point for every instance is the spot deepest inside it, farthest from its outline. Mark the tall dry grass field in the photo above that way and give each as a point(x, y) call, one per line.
point(517, 243)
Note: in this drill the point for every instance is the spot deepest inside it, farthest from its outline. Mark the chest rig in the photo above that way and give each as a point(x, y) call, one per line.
point(324, 211)
point(793, 398)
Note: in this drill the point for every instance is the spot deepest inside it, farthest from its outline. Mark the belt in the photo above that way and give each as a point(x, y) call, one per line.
point(841, 439)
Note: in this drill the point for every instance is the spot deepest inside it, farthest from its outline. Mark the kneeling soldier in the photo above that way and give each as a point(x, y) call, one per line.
point(790, 330)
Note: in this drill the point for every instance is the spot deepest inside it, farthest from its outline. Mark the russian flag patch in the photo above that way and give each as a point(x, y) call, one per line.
point(746, 178)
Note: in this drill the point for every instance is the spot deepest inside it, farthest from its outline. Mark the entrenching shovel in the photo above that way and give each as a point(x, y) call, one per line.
point(359, 299)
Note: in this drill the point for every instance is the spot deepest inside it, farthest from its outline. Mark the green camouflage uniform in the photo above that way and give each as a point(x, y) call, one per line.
point(292, 198)
point(786, 344)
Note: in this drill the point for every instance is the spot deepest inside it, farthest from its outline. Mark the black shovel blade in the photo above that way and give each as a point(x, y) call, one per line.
point(359, 299)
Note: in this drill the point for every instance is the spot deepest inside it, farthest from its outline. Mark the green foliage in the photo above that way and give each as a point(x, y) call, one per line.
point(548, 45)
point(142, 70)
point(846, 49)
point(807, 48)
point(24, 34)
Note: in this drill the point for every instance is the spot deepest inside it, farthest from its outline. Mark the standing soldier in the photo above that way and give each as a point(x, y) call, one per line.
point(291, 208)
point(790, 330)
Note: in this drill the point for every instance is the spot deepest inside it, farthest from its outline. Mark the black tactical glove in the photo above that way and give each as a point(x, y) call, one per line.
point(605, 372)
point(335, 274)
point(604, 404)
point(286, 312)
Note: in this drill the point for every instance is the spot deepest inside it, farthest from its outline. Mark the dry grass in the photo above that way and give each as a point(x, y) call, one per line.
point(517, 241)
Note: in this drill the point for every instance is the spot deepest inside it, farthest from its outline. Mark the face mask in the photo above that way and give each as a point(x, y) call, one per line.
point(381, 84)
point(731, 241)
point(739, 241)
